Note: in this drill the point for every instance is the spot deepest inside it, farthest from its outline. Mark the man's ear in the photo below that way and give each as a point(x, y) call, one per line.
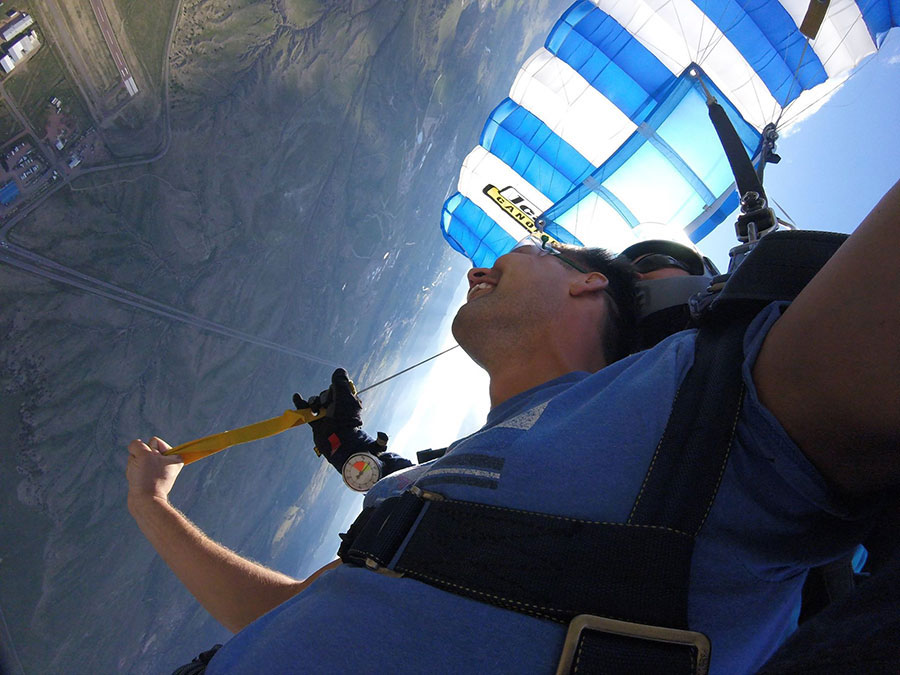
point(594, 282)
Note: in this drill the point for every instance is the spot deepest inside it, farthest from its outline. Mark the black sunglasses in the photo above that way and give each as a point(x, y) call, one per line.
point(657, 261)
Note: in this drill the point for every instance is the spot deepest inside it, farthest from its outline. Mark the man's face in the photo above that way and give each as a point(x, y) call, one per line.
point(512, 304)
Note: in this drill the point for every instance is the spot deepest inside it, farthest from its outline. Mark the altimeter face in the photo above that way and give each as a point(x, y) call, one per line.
point(361, 471)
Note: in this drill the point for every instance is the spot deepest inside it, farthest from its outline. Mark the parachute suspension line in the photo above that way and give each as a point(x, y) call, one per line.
point(638, 29)
point(710, 99)
point(791, 224)
point(405, 370)
point(794, 80)
point(687, 47)
point(800, 64)
point(800, 112)
point(712, 43)
point(700, 38)
point(843, 39)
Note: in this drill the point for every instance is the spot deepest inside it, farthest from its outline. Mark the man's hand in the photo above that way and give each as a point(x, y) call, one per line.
point(150, 474)
point(339, 402)
point(337, 433)
point(233, 589)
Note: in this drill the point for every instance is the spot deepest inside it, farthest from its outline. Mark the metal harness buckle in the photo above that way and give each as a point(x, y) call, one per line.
point(584, 622)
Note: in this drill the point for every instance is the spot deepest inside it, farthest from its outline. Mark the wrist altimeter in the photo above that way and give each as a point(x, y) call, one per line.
point(361, 471)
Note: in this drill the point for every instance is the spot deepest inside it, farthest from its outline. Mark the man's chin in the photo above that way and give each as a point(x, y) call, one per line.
point(465, 325)
point(465, 338)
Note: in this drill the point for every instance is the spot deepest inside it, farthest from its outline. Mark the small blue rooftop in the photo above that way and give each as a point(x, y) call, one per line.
point(9, 193)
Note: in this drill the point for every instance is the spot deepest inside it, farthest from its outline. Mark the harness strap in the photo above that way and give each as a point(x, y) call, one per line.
point(534, 563)
point(621, 587)
point(689, 462)
point(781, 266)
point(745, 176)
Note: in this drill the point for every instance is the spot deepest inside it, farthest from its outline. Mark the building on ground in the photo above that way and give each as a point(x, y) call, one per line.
point(9, 193)
point(23, 45)
point(18, 50)
point(16, 27)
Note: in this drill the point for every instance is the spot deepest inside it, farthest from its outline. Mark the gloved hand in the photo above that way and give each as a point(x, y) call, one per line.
point(337, 435)
point(339, 401)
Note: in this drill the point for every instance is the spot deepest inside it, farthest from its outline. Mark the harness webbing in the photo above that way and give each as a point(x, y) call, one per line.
point(557, 568)
point(745, 177)
point(688, 465)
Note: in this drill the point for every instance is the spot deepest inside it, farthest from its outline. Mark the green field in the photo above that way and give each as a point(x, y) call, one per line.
point(25, 6)
point(9, 126)
point(147, 25)
point(33, 83)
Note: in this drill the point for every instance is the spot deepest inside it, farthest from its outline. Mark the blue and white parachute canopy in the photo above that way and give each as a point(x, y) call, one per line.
point(605, 138)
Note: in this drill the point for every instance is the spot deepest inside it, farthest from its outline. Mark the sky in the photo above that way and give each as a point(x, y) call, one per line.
point(835, 166)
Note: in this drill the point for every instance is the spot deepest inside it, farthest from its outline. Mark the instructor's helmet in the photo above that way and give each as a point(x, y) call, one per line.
point(663, 307)
point(653, 254)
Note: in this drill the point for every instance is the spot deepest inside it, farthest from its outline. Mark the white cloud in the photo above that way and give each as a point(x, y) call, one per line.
point(808, 104)
point(894, 60)
point(452, 396)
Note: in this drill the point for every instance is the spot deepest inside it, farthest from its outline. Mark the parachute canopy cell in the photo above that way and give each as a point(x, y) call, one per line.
point(604, 139)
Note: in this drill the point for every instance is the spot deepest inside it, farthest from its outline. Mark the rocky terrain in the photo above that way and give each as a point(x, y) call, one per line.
point(312, 145)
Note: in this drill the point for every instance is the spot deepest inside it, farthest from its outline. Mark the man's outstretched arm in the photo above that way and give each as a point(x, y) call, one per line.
point(830, 367)
point(234, 590)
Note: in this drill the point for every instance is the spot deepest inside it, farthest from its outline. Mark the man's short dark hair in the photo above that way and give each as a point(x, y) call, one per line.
point(620, 330)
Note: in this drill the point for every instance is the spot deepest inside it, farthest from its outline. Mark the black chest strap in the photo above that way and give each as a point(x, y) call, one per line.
point(621, 587)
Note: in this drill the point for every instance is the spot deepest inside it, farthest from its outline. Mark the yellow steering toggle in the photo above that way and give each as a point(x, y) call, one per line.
point(203, 447)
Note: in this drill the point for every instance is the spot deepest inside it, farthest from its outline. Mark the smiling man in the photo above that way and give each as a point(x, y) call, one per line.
point(568, 512)
point(561, 309)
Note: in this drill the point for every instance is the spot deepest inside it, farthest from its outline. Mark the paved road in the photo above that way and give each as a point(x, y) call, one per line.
point(113, 44)
point(28, 261)
point(9, 659)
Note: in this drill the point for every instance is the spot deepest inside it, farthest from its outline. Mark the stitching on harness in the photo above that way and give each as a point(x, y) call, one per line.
point(715, 491)
point(653, 461)
point(578, 654)
point(499, 600)
point(564, 518)
point(526, 607)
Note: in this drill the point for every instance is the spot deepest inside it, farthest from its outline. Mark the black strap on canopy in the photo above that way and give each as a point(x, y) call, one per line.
point(756, 217)
point(633, 574)
point(745, 177)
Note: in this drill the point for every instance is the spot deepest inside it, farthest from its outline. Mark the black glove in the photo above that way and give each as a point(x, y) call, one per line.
point(337, 434)
point(339, 401)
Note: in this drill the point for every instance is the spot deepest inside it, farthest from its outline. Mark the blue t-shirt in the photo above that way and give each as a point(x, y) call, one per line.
point(576, 446)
